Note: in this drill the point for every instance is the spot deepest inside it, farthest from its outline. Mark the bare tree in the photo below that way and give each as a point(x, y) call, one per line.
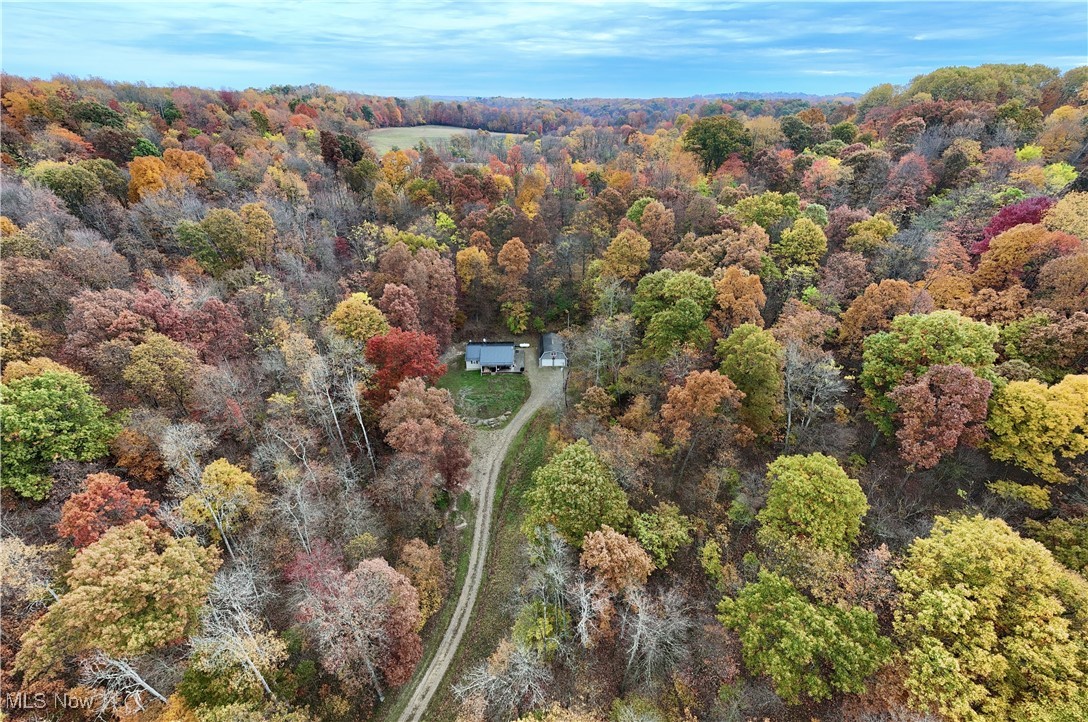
point(587, 599)
point(352, 514)
point(233, 635)
point(812, 384)
point(26, 572)
point(612, 296)
point(285, 456)
point(339, 207)
point(603, 348)
point(221, 382)
point(181, 446)
point(296, 505)
point(313, 500)
point(317, 384)
point(553, 567)
point(351, 372)
point(169, 514)
point(120, 683)
point(655, 629)
point(286, 433)
point(515, 678)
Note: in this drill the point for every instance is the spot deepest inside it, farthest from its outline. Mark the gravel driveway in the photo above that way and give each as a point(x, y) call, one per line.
point(488, 451)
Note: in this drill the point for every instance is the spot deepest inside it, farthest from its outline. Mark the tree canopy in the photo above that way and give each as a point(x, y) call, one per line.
point(805, 648)
point(983, 638)
point(224, 330)
point(811, 501)
point(133, 590)
point(576, 493)
point(911, 345)
point(752, 359)
point(1035, 426)
point(46, 418)
point(715, 138)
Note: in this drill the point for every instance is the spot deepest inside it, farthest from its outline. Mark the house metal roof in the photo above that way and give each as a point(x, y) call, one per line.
point(497, 355)
point(485, 353)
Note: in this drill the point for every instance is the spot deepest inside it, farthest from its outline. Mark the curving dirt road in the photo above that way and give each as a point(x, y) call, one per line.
point(489, 450)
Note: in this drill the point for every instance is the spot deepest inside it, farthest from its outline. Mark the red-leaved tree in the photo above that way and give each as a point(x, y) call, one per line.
point(700, 413)
point(365, 623)
point(421, 421)
point(213, 329)
point(908, 185)
point(1029, 210)
point(400, 355)
point(400, 306)
point(944, 408)
point(105, 502)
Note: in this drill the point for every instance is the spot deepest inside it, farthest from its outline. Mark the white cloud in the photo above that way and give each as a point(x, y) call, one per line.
point(592, 47)
point(954, 34)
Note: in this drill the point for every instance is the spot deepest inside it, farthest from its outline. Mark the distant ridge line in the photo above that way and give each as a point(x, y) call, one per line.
point(741, 95)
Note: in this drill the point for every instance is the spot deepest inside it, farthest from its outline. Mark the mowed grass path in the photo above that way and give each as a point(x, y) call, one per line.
point(385, 139)
point(484, 397)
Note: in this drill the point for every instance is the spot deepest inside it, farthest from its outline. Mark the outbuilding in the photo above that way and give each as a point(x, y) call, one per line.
point(491, 357)
point(551, 351)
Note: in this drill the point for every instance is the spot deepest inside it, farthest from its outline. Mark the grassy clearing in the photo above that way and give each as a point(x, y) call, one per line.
point(507, 563)
point(484, 397)
point(385, 139)
point(436, 626)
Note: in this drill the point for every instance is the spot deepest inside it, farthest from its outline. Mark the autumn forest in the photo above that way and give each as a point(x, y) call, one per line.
point(819, 450)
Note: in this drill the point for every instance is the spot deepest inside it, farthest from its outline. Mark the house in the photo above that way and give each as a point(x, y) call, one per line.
point(551, 350)
point(492, 357)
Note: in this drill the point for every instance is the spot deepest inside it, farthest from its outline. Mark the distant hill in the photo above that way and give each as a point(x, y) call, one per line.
point(760, 95)
point(778, 95)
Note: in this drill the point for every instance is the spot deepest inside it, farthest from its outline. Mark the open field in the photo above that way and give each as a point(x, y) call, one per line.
point(484, 397)
point(385, 139)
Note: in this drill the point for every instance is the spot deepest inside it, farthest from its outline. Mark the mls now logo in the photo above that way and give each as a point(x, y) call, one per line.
point(40, 700)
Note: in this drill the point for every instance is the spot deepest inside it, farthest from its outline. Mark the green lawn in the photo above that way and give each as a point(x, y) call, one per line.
point(484, 397)
point(385, 139)
point(507, 562)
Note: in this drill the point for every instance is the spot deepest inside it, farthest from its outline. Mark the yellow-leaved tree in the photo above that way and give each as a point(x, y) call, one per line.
point(626, 256)
point(423, 566)
point(991, 627)
point(1034, 426)
point(224, 495)
point(133, 590)
point(358, 319)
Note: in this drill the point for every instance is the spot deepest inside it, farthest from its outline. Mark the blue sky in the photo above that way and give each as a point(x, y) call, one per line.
point(604, 48)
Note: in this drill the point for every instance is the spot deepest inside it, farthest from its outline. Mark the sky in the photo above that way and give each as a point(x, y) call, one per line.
point(526, 48)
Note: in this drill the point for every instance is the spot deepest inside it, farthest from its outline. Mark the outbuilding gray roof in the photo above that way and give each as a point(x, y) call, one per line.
point(551, 342)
